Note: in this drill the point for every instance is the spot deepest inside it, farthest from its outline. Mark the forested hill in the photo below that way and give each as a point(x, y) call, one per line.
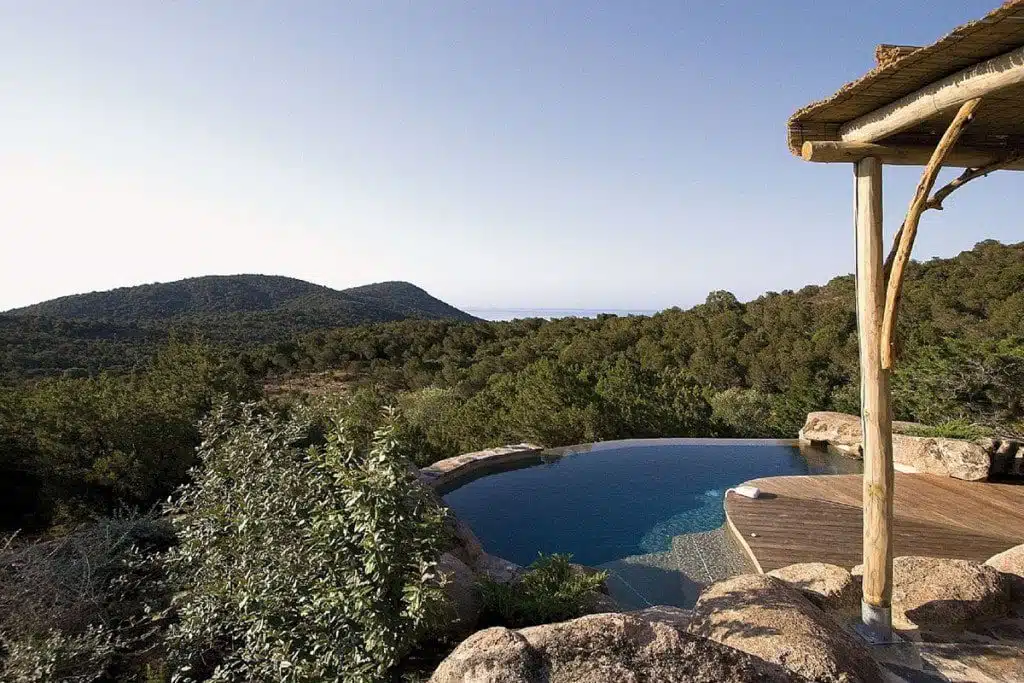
point(121, 329)
point(800, 345)
point(220, 295)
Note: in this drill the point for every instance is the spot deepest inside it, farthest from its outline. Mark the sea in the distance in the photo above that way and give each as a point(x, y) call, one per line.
point(549, 313)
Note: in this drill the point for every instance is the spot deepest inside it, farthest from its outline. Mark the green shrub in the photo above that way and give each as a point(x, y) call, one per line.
point(551, 590)
point(89, 447)
point(301, 558)
point(951, 429)
point(55, 656)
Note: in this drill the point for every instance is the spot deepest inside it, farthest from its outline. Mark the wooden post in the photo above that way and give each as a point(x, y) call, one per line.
point(876, 417)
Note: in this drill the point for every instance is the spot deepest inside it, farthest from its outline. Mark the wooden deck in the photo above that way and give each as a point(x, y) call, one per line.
point(818, 519)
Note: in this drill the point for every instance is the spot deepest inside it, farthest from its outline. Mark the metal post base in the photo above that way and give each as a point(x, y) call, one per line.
point(876, 625)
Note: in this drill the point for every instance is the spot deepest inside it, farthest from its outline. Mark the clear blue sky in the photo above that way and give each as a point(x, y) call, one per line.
point(626, 154)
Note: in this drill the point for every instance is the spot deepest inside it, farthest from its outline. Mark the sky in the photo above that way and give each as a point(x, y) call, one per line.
point(624, 154)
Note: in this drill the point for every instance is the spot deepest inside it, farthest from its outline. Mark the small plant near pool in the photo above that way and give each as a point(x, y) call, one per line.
point(551, 590)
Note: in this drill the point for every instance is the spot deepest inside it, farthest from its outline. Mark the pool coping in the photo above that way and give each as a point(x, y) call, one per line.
point(737, 536)
point(452, 472)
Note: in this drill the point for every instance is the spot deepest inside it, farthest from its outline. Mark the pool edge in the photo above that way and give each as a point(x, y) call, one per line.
point(736, 532)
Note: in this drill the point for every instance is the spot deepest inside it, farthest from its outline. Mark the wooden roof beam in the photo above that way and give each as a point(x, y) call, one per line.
point(976, 81)
point(832, 152)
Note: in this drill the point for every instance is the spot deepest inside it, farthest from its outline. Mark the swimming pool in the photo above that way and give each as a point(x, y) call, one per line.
point(618, 499)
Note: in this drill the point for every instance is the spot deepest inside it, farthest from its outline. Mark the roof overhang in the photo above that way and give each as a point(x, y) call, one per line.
point(900, 109)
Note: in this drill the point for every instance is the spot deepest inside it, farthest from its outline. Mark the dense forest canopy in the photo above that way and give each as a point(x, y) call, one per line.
point(761, 365)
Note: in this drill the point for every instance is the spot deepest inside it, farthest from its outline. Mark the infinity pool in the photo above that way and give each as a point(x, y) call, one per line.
point(617, 499)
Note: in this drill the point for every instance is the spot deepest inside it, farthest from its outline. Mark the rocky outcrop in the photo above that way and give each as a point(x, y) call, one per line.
point(462, 596)
point(838, 430)
point(940, 594)
point(826, 585)
point(451, 471)
point(956, 458)
point(763, 616)
point(1007, 456)
point(945, 457)
point(1011, 563)
point(673, 616)
point(597, 649)
point(497, 568)
point(841, 430)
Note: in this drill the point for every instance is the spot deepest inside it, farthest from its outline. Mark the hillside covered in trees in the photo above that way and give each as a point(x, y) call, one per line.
point(121, 329)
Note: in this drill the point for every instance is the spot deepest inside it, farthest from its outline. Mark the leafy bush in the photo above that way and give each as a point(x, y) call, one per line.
point(301, 558)
point(55, 656)
point(551, 590)
point(952, 429)
point(963, 380)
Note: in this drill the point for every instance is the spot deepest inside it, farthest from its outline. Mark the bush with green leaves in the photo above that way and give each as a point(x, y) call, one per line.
point(85, 657)
point(552, 589)
point(951, 429)
point(303, 555)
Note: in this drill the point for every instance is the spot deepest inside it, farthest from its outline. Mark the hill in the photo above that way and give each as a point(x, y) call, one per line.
point(220, 295)
point(120, 328)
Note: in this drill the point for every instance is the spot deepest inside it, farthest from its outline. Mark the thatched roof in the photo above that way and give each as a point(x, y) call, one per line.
point(902, 70)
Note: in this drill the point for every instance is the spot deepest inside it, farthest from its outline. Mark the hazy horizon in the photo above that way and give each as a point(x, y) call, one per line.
point(503, 155)
point(500, 310)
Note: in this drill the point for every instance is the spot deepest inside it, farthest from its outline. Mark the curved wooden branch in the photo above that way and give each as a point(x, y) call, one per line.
point(909, 230)
point(935, 202)
point(967, 176)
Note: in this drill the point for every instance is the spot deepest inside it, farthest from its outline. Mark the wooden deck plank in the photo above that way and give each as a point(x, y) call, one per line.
point(818, 518)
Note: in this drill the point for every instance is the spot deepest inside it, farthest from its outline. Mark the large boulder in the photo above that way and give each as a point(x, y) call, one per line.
point(944, 457)
point(763, 616)
point(497, 568)
point(957, 458)
point(941, 594)
point(837, 429)
point(597, 649)
point(826, 585)
point(461, 595)
point(977, 662)
point(1011, 563)
point(666, 614)
point(494, 655)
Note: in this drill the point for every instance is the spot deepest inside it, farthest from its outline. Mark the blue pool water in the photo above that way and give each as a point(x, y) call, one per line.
point(607, 501)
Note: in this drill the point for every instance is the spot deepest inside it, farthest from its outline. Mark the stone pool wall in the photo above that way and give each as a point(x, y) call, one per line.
point(450, 471)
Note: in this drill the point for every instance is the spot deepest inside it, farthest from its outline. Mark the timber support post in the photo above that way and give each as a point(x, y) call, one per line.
point(876, 415)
